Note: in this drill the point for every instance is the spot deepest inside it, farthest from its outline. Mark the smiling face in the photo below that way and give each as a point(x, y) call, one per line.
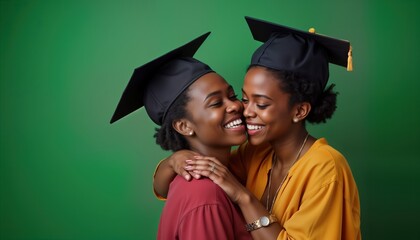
point(214, 113)
point(266, 107)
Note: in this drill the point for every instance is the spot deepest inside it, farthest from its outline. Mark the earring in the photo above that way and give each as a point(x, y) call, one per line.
point(295, 120)
point(190, 133)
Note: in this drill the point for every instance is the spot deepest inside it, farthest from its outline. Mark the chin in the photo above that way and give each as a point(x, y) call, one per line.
point(255, 140)
point(238, 141)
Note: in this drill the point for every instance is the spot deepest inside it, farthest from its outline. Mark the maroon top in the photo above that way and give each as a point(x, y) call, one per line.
point(199, 210)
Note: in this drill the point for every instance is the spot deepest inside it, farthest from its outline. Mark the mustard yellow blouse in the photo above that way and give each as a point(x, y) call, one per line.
point(319, 197)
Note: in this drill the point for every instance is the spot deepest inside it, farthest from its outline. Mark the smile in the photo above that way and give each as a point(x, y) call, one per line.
point(253, 127)
point(233, 124)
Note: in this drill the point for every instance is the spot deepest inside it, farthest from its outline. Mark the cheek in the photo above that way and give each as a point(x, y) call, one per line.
point(274, 115)
point(208, 115)
point(207, 121)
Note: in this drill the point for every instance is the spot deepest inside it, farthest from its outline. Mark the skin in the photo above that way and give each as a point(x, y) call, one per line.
point(267, 111)
point(213, 104)
point(270, 119)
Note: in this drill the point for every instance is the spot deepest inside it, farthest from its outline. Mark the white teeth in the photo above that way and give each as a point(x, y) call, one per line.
point(234, 123)
point(253, 127)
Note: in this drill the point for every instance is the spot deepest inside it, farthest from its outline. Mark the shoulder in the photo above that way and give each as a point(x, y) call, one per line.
point(198, 196)
point(197, 191)
point(326, 168)
point(324, 163)
point(322, 153)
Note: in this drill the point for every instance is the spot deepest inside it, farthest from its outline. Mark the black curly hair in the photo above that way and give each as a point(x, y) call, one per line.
point(166, 136)
point(323, 102)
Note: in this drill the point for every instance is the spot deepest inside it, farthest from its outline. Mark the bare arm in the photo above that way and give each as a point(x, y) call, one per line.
point(169, 168)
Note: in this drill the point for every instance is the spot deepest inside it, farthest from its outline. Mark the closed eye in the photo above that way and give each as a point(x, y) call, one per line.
point(233, 97)
point(262, 106)
point(216, 104)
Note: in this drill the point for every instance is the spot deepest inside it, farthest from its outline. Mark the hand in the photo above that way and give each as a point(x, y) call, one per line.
point(169, 168)
point(212, 168)
point(177, 162)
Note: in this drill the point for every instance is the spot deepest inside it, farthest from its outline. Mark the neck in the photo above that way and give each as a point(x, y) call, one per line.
point(287, 150)
point(220, 153)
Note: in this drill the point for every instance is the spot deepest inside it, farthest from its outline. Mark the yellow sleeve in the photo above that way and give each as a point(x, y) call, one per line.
point(154, 192)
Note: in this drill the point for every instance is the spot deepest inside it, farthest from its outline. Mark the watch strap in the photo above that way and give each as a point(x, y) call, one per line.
point(257, 223)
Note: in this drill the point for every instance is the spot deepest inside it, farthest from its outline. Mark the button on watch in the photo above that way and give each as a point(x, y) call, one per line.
point(263, 221)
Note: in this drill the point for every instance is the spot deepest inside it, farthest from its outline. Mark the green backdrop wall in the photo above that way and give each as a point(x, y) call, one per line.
point(66, 173)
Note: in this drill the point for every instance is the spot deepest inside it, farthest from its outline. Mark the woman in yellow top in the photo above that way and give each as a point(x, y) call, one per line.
point(297, 186)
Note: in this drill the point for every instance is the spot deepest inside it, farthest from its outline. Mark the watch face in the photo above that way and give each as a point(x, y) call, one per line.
point(264, 221)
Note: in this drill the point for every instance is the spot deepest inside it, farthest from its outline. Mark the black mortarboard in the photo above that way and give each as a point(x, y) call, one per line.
point(157, 84)
point(305, 53)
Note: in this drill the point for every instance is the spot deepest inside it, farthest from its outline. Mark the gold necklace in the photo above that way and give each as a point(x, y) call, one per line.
point(278, 188)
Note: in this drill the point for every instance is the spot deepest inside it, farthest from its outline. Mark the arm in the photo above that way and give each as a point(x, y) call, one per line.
point(325, 212)
point(168, 168)
point(250, 206)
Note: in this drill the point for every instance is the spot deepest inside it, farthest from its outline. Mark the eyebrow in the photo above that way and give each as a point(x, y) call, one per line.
point(217, 92)
point(258, 95)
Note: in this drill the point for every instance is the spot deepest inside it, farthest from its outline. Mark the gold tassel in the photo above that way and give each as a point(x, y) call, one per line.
point(350, 60)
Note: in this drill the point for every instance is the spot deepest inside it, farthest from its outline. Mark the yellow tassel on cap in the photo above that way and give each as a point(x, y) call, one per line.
point(349, 61)
point(349, 54)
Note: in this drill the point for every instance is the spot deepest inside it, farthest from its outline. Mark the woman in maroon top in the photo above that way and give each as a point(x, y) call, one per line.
point(197, 110)
point(285, 87)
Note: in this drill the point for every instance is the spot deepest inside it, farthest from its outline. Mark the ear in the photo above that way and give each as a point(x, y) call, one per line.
point(183, 127)
point(301, 111)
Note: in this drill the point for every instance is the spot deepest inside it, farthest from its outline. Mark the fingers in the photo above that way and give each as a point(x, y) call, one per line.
point(210, 163)
point(177, 162)
point(213, 166)
point(207, 171)
point(194, 165)
point(189, 170)
point(205, 166)
point(186, 175)
point(202, 159)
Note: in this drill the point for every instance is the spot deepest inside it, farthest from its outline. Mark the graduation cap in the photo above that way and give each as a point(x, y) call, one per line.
point(158, 83)
point(305, 53)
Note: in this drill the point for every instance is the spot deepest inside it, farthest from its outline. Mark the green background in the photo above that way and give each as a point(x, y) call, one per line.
point(66, 173)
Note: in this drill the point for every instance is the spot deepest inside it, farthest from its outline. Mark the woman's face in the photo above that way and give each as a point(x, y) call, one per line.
point(266, 107)
point(215, 112)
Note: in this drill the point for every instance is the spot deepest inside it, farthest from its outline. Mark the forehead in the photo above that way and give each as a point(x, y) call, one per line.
point(259, 81)
point(209, 83)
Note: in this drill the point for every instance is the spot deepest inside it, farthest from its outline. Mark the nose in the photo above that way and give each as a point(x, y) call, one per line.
point(248, 111)
point(234, 106)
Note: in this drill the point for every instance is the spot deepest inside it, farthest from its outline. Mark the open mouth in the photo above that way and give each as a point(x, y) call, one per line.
point(253, 127)
point(233, 124)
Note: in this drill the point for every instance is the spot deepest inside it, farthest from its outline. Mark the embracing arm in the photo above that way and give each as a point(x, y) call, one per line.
point(250, 206)
point(168, 168)
point(252, 209)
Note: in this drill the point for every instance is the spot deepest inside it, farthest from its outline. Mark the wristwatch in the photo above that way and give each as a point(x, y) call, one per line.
point(263, 221)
